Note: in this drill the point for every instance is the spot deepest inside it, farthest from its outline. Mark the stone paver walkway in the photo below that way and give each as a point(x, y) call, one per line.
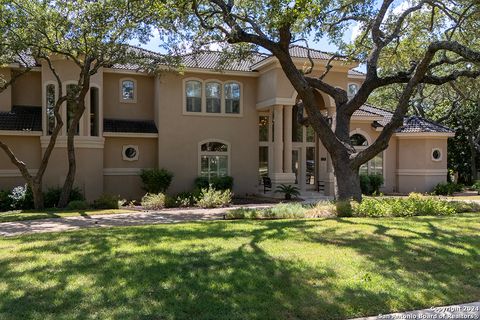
point(8, 229)
point(461, 311)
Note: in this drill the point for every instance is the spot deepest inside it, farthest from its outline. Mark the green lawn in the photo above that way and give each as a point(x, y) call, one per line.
point(22, 215)
point(282, 269)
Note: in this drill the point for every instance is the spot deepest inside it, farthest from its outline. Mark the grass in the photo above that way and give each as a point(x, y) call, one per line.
point(275, 269)
point(23, 215)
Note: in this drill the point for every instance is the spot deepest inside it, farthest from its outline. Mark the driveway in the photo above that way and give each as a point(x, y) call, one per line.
point(8, 229)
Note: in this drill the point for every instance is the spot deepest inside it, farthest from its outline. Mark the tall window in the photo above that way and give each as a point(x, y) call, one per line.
point(352, 90)
point(128, 90)
point(94, 108)
point(193, 91)
point(263, 128)
point(213, 92)
point(373, 166)
point(263, 161)
point(72, 106)
point(214, 159)
point(50, 104)
point(232, 97)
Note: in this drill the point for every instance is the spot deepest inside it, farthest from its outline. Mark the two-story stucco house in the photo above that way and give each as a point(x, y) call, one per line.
point(241, 121)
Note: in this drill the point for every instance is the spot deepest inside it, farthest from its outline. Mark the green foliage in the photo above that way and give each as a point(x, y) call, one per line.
point(78, 205)
point(5, 200)
point(154, 201)
point(344, 208)
point(107, 201)
point(52, 196)
point(211, 198)
point(465, 206)
point(185, 199)
point(476, 185)
point(21, 198)
point(414, 205)
point(279, 211)
point(288, 191)
point(371, 183)
point(447, 188)
point(218, 183)
point(156, 180)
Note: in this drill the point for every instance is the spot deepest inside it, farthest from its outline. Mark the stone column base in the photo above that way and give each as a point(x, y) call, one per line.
point(282, 178)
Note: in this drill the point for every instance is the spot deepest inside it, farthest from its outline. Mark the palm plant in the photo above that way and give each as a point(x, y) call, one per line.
point(288, 191)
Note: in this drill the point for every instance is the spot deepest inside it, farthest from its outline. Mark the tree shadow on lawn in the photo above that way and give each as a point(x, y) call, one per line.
point(226, 270)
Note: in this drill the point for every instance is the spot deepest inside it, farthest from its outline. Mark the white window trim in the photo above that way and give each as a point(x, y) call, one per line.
point(124, 156)
point(203, 109)
point(441, 154)
point(135, 88)
point(213, 153)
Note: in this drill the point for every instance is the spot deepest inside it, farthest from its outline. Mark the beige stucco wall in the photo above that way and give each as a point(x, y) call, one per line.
point(5, 95)
point(27, 90)
point(416, 169)
point(180, 135)
point(121, 176)
point(142, 109)
point(27, 149)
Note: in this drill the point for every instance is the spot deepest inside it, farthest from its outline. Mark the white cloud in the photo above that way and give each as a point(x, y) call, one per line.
point(356, 31)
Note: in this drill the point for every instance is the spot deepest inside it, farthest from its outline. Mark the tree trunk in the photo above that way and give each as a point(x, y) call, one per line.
point(37, 195)
point(473, 160)
point(347, 187)
point(72, 168)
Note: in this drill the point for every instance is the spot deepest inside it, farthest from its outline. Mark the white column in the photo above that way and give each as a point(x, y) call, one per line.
point(287, 139)
point(278, 136)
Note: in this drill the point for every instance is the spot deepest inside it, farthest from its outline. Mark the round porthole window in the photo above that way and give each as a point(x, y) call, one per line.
point(130, 153)
point(436, 155)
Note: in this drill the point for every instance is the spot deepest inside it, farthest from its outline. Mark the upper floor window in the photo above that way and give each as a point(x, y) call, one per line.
point(352, 90)
point(50, 108)
point(213, 91)
point(212, 97)
point(193, 93)
point(72, 92)
point(128, 88)
point(232, 97)
point(358, 140)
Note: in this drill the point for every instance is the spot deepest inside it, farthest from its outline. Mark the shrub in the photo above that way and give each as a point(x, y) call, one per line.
point(52, 196)
point(156, 180)
point(154, 201)
point(106, 201)
point(5, 200)
point(185, 199)
point(371, 183)
point(322, 209)
point(465, 206)
point(21, 197)
point(344, 209)
point(77, 205)
point(288, 191)
point(476, 186)
point(243, 213)
point(365, 184)
point(285, 211)
point(218, 183)
point(414, 205)
point(211, 198)
point(447, 188)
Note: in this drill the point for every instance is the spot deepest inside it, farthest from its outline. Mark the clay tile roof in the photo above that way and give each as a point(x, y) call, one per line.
point(416, 124)
point(129, 126)
point(22, 118)
point(302, 52)
point(214, 60)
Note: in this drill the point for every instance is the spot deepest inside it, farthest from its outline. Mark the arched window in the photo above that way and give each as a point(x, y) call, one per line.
point(128, 90)
point(214, 159)
point(50, 106)
point(352, 90)
point(358, 140)
point(193, 92)
point(213, 92)
point(232, 97)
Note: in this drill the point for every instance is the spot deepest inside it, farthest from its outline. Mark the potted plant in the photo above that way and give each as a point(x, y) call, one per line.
point(288, 191)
